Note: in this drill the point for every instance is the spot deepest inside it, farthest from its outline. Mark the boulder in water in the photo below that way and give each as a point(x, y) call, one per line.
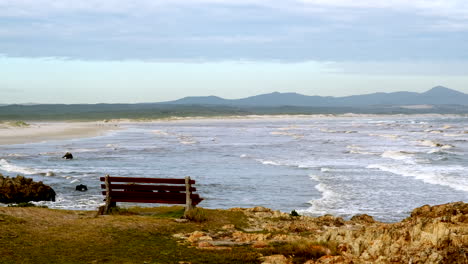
point(81, 188)
point(21, 190)
point(67, 156)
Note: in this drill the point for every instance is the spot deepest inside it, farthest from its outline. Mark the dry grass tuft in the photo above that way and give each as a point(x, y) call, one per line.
point(196, 215)
point(302, 250)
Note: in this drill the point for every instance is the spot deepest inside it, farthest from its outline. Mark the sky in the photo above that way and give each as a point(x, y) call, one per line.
point(129, 51)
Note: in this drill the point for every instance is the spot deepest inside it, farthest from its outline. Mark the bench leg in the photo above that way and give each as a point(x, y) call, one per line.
point(188, 198)
point(109, 202)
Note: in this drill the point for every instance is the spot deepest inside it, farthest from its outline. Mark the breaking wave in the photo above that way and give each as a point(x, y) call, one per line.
point(436, 178)
point(7, 166)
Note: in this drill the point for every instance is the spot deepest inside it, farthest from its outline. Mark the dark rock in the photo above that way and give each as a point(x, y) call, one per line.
point(67, 156)
point(81, 188)
point(20, 190)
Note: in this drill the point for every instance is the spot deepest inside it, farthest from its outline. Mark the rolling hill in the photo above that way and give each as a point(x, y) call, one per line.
point(438, 95)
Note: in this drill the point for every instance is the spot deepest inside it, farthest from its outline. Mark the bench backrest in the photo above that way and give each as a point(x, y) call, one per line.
point(149, 190)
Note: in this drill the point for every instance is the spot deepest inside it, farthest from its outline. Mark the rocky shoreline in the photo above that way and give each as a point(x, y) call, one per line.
point(432, 234)
point(20, 189)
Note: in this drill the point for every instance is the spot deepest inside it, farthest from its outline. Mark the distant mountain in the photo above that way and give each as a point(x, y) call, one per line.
point(437, 100)
point(438, 95)
point(202, 100)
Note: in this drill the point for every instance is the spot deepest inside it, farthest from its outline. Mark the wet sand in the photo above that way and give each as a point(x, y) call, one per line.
point(38, 132)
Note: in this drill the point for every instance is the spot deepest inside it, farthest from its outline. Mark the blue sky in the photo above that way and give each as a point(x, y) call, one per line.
point(93, 51)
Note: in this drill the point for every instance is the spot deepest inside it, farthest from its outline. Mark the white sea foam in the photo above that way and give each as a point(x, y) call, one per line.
point(385, 136)
point(288, 128)
point(281, 133)
point(160, 133)
point(188, 142)
point(428, 143)
point(447, 146)
point(278, 133)
point(75, 181)
point(314, 177)
point(325, 169)
point(269, 162)
point(361, 152)
point(398, 155)
point(7, 166)
point(51, 153)
point(358, 150)
point(85, 150)
point(431, 177)
point(17, 155)
point(321, 205)
point(327, 130)
point(433, 151)
point(243, 156)
point(452, 135)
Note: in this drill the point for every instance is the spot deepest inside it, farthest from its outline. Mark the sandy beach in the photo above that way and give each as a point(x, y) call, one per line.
point(11, 133)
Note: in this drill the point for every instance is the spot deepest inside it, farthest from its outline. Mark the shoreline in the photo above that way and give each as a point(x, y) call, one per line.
point(12, 133)
point(279, 116)
point(34, 132)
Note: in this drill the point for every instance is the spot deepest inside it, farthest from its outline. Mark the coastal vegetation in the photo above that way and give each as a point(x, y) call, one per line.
point(94, 112)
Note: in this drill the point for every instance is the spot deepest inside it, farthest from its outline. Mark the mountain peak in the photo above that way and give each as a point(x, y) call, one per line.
point(442, 91)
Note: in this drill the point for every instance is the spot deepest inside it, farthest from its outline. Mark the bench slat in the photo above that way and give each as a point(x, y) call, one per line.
point(139, 187)
point(163, 201)
point(150, 195)
point(146, 180)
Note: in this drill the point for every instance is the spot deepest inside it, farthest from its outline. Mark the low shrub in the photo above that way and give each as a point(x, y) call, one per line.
point(294, 213)
point(19, 124)
point(196, 215)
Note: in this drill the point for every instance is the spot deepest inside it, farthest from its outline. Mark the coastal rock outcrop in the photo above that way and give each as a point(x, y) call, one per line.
point(20, 189)
point(432, 234)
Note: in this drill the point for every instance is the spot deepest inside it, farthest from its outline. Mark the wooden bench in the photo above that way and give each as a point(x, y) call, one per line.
point(149, 190)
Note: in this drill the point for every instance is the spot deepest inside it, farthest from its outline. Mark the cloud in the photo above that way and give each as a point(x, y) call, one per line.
point(44, 7)
point(290, 30)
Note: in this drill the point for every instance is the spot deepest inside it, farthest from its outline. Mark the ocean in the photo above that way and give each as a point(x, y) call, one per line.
point(383, 166)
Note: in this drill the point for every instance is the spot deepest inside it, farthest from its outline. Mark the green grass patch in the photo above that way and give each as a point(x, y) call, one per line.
point(130, 235)
point(8, 219)
point(18, 124)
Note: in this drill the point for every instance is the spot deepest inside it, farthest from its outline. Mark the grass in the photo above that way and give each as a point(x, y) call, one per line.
point(129, 235)
point(18, 124)
point(40, 235)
